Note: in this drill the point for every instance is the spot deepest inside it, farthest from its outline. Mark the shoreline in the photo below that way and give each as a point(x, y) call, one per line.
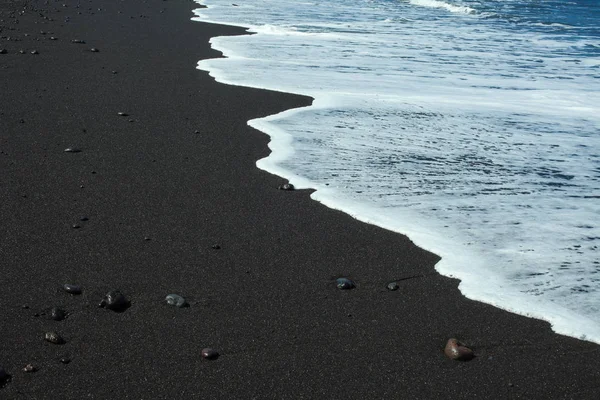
point(427, 236)
point(158, 196)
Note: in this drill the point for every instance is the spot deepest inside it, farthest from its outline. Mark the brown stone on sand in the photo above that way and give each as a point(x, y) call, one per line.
point(455, 350)
point(210, 354)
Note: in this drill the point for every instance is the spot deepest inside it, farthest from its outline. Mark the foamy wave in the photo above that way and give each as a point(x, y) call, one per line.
point(447, 6)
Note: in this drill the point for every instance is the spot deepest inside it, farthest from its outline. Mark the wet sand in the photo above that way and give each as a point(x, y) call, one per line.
point(173, 203)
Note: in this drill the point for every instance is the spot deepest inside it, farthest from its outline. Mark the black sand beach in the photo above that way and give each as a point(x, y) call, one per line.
point(159, 188)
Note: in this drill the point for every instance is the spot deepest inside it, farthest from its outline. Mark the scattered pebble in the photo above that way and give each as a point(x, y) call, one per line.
point(344, 284)
point(53, 38)
point(175, 300)
point(122, 114)
point(286, 186)
point(76, 226)
point(94, 50)
point(78, 41)
point(216, 246)
point(455, 350)
point(196, 131)
point(57, 314)
point(29, 368)
point(34, 52)
point(65, 360)
point(114, 300)
point(54, 337)
point(4, 376)
point(3, 51)
point(21, 51)
point(210, 354)
point(84, 218)
point(72, 150)
point(392, 286)
point(73, 289)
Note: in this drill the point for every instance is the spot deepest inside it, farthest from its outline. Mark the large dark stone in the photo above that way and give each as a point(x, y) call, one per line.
point(115, 300)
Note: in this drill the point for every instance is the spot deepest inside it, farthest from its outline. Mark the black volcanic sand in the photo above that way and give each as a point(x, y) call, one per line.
point(158, 196)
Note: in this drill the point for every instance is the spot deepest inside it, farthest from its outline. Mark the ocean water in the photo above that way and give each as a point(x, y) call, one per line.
point(472, 126)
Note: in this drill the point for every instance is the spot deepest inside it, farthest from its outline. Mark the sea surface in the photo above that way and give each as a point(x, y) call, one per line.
point(471, 126)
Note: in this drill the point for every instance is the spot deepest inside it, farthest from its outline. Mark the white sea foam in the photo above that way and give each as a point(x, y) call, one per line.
point(446, 6)
point(477, 141)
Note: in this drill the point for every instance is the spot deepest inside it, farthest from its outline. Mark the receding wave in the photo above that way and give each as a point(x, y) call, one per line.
point(447, 6)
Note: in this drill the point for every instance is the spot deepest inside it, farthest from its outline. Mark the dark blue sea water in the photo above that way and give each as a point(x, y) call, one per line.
point(471, 126)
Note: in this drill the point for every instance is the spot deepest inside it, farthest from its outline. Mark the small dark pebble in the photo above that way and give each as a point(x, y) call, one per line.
point(72, 150)
point(114, 72)
point(25, 307)
point(34, 52)
point(146, 238)
point(3, 51)
point(196, 131)
point(84, 219)
point(210, 354)
point(57, 314)
point(78, 41)
point(216, 246)
point(53, 38)
point(76, 226)
point(4, 376)
point(114, 300)
point(122, 114)
point(21, 51)
point(286, 186)
point(94, 50)
point(65, 360)
point(344, 283)
point(54, 337)
point(29, 368)
point(22, 121)
point(73, 289)
point(393, 286)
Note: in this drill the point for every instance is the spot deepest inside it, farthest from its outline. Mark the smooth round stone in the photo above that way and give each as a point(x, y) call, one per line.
point(114, 300)
point(73, 289)
point(210, 354)
point(392, 286)
point(72, 150)
point(54, 338)
point(455, 350)
point(57, 314)
point(344, 283)
point(286, 186)
point(175, 300)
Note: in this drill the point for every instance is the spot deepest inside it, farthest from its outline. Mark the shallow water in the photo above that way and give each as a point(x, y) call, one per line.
point(470, 126)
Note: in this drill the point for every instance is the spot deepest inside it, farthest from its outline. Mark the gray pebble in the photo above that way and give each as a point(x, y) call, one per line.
point(122, 114)
point(72, 150)
point(175, 300)
point(73, 289)
point(3, 51)
point(286, 186)
point(94, 50)
point(79, 41)
point(34, 52)
point(344, 283)
point(54, 337)
point(392, 286)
